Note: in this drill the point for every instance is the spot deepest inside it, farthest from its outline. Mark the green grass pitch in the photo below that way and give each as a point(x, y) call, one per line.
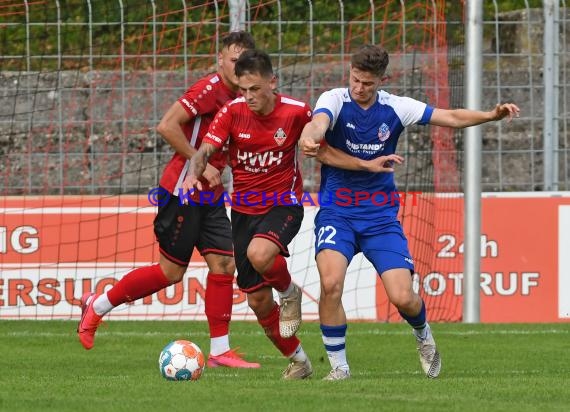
point(515, 367)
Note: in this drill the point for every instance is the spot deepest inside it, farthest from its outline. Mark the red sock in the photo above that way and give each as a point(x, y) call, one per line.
point(287, 346)
point(278, 275)
point(137, 284)
point(219, 302)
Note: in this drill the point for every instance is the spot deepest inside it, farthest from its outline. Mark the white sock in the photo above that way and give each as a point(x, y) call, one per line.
point(337, 358)
point(299, 355)
point(102, 305)
point(287, 291)
point(422, 333)
point(219, 345)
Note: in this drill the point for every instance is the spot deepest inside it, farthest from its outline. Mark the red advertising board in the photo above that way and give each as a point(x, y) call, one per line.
point(52, 249)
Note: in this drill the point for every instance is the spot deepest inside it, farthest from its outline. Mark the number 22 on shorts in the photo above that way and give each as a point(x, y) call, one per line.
point(326, 234)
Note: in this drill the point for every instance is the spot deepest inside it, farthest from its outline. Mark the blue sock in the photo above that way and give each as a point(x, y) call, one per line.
point(417, 322)
point(334, 338)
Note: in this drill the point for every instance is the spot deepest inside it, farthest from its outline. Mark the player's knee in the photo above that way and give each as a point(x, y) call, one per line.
point(174, 275)
point(230, 266)
point(172, 271)
point(259, 258)
point(223, 264)
point(331, 289)
point(404, 300)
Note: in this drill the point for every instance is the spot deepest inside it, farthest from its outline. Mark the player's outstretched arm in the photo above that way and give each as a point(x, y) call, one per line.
point(337, 158)
point(313, 133)
point(198, 165)
point(460, 118)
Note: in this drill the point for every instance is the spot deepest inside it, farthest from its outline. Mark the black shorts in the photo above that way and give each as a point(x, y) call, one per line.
point(179, 228)
point(280, 225)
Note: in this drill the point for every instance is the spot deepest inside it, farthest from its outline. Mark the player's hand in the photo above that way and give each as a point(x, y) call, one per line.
point(384, 164)
point(212, 175)
point(508, 110)
point(309, 147)
point(189, 185)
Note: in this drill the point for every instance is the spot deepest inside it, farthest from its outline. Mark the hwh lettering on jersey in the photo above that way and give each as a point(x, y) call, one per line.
point(265, 159)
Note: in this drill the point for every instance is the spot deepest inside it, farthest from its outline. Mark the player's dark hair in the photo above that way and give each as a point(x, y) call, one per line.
point(254, 62)
point(242, 39)
point(370, 58)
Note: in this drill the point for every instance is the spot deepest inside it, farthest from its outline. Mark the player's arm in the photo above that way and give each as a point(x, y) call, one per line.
point(171, 129)
point(337, 158)
point(460, 118)
point(198, 165)
point(313, 133)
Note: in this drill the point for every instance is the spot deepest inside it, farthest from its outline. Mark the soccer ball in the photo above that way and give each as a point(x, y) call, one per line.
point(181, 360)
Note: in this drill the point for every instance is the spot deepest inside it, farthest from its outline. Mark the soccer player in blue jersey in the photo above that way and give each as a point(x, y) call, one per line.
point(364, 121)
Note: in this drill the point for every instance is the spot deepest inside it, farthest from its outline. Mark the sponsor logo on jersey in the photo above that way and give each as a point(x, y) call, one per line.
point(265, 159)
point(350, 125)
point(214, 138)
point(280, 137)
point(244, 135)
point(188, 105)
point(369, 148)
point(384, 132)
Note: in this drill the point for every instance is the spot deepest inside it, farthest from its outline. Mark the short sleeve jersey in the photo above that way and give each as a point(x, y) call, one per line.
point(366, 134)
point(263, 152)
point(202, 101)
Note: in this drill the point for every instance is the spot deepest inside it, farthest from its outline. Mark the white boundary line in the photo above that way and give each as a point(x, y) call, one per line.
point(371, 332)
point(563, 261)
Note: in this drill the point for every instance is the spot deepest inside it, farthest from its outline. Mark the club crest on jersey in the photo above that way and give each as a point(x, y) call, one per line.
point(280, 136)
point(384, 132)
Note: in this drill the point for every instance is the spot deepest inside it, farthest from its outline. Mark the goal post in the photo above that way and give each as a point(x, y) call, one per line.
point(85, 84)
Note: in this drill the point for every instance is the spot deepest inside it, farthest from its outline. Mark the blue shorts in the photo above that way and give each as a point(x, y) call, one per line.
point(384, 245)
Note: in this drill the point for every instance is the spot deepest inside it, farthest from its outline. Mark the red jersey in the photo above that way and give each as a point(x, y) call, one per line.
point(263, 152)
point(202, 101)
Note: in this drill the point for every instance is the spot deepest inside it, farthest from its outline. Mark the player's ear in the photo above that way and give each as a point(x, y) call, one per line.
point(274, 80)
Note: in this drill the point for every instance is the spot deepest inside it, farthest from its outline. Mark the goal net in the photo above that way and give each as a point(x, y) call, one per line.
point(86, 82)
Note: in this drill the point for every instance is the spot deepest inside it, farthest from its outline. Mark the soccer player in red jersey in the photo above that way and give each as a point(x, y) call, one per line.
point(178, 227)
point(261, 129)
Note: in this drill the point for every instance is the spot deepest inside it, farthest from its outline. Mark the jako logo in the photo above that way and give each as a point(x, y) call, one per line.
point(244, 135)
